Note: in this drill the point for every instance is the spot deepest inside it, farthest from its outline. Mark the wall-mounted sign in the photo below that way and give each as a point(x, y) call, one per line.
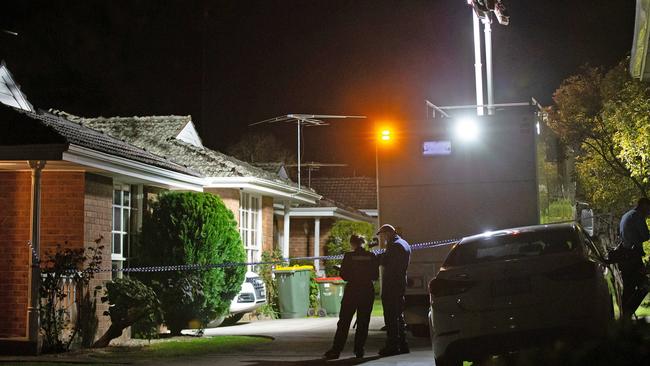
point(435, 148)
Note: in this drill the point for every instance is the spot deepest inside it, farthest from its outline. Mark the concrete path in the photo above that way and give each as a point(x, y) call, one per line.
point(303, 342)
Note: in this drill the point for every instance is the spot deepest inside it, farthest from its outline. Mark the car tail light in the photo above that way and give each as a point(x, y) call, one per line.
point(439, 287)
point(578, 271)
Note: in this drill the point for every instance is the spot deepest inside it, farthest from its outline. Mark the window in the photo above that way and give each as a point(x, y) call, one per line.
point(513, 246)
point(121, 219)
point(250, 225)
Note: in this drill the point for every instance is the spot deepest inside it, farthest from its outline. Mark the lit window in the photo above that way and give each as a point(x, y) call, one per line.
point(121, 218)
point(250, 225)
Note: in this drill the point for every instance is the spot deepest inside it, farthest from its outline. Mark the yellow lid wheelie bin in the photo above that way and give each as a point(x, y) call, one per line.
point(293, 290)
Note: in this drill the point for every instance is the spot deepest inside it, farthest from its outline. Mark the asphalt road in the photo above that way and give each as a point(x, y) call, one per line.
point(303, 342)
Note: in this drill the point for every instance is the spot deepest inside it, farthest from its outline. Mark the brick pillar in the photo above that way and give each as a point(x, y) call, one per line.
point(98, 200)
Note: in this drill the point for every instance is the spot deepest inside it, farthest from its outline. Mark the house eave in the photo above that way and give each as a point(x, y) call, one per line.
point(267, 187)
point(122, 166)
point(333, 212)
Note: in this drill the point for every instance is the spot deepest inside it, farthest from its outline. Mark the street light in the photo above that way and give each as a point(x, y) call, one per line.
point(384, 137)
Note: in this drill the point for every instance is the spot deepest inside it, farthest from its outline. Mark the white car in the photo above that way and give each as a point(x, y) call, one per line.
point(502, 291)
point(251, 297)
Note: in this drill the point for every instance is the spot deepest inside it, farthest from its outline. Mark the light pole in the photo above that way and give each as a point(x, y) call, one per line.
point(481, 13)
point(384, 135)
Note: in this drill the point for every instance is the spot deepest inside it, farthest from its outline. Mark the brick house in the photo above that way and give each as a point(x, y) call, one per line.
point(252, 194)
point(77, 181)
point(64, 180)
point(63, 183)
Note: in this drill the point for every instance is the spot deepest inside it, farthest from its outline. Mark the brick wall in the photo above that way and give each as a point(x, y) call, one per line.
point(267, 223)
point(97, 207)
point(61, 222)
point(15, 198)
point(298, 239)
point(230, 198)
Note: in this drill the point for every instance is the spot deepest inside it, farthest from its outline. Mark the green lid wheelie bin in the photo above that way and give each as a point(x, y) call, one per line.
point(331, 293)
point(293, 290)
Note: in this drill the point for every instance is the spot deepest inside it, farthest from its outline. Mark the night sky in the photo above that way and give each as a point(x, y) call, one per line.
point(231, 63)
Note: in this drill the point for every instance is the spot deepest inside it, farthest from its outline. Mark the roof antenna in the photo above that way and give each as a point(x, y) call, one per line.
point(309, 120)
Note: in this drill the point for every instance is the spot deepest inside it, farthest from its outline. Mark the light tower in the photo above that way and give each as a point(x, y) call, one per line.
point(482, 10)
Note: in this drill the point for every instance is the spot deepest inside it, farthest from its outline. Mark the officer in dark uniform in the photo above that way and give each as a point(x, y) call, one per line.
point(359, 268)
point(395, 261)
point(634, 231)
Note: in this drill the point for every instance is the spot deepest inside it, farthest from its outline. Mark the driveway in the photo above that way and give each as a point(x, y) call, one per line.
point(303, 342)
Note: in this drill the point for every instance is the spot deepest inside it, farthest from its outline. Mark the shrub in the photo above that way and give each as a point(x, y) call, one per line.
point(67, 272)
point(272, 306)
point(191, 228)
point(131, 302)
point(339, 240)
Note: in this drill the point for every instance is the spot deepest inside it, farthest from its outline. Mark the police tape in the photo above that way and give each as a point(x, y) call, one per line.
point(209, 266)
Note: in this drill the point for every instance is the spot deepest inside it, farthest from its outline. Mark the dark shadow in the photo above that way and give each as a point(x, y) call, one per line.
point(315, 362)
point(239, 323)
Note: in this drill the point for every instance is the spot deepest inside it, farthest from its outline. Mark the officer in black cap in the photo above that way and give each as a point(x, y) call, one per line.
point(395, 261)
point(359, 268)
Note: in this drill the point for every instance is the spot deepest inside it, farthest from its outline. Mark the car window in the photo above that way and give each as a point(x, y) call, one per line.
point(519, 245)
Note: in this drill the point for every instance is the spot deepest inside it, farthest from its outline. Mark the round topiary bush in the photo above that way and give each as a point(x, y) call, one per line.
point(191, 228)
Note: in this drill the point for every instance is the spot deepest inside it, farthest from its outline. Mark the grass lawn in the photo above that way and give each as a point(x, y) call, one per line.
point(179, 347)
point(643, 311)
point(187, 347)
point(377, 308)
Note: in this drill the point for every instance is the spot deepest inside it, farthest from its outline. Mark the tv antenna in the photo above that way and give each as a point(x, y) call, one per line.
point(304, 120)
point(314, 166)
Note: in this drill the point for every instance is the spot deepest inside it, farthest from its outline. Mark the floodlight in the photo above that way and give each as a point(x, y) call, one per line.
point(466, 129)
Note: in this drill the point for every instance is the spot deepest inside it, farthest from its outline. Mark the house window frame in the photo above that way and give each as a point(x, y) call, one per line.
point(124, 232)
point(250, 225)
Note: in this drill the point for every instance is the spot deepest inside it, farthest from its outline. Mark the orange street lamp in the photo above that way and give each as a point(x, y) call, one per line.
point(385, 135)
point(384, 138)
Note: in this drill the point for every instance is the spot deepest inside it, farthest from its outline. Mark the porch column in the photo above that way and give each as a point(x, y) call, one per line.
point(35, 273)
point(285, 237)
point(317, 244)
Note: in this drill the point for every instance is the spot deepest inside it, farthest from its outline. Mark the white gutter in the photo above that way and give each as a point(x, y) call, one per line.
point(87, 157)
point(264, 186)
point(328, 212)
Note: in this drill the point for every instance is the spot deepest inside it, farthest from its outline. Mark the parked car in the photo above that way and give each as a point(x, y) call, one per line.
point(251, 297)
point(506, 290)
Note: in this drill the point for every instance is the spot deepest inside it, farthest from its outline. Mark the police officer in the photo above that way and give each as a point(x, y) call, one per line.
point(634, 232)
point(395, 261)
point(359, 268)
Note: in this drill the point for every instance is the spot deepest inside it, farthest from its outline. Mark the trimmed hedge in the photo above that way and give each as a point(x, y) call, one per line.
point(191, 228)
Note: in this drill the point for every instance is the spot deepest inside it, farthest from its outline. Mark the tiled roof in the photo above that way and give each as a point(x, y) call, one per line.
point(158, 134)
point(80, 135)
point(358, 192)
point(326, 202)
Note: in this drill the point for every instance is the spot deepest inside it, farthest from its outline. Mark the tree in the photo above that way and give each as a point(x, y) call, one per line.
point(192, 228)
point(597, 114)
point(261, 148)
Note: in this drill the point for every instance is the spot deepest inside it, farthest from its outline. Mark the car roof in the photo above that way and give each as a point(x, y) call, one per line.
point(522, 230)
